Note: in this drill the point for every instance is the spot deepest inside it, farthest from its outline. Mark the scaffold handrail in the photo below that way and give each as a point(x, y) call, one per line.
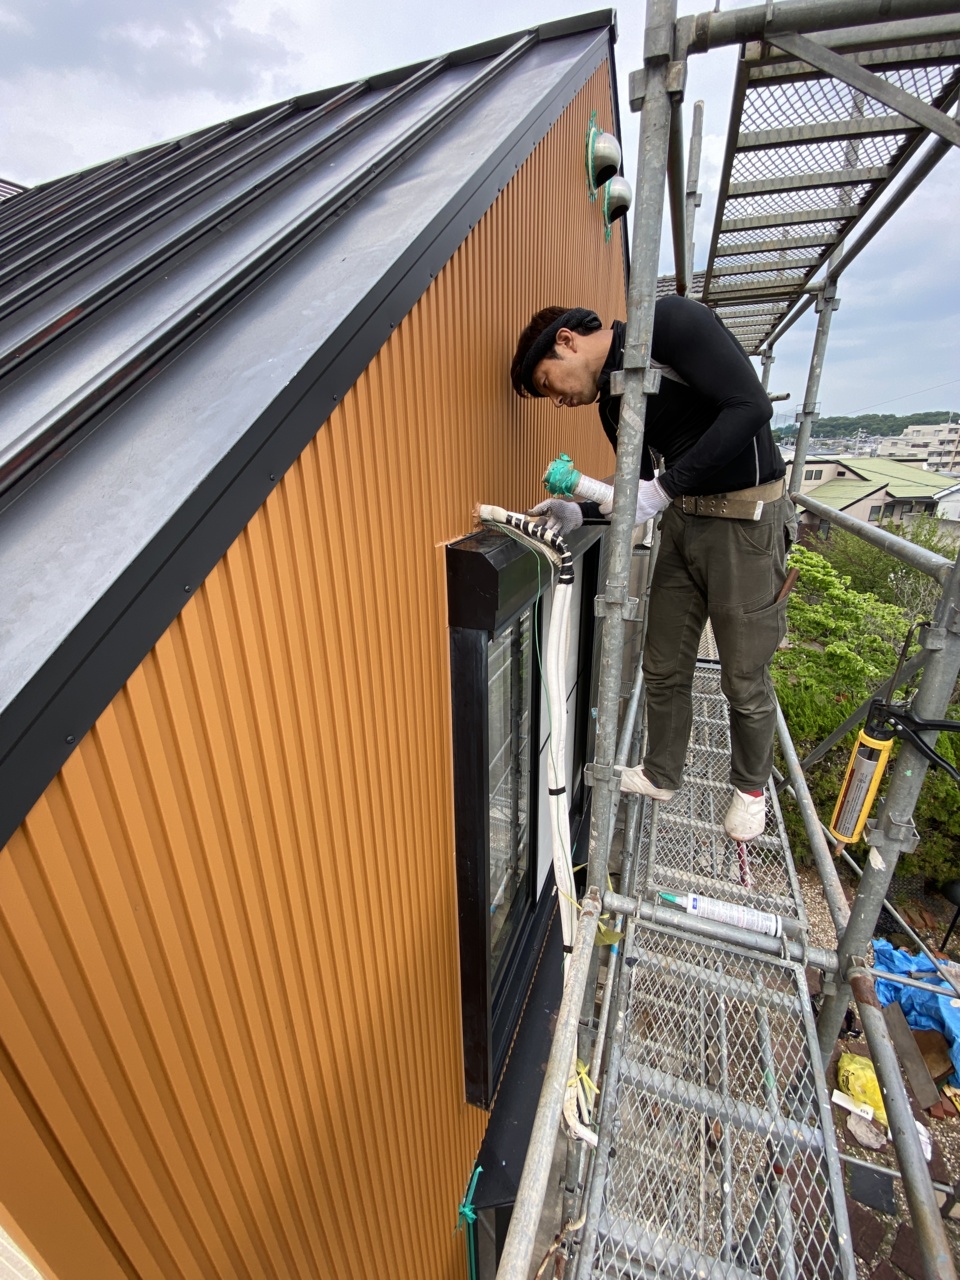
point(909, 553)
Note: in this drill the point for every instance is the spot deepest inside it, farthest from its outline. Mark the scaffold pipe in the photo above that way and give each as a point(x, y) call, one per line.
point(518, 1248)
point(735, 26)
point(637, 380)
point(910, 553)
point(924, 1213)
point(826, 867)
point(894, 830)
point(676, 186)
point(819, 957)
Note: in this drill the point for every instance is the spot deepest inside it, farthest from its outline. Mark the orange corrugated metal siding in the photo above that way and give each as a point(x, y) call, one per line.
point(228, 940)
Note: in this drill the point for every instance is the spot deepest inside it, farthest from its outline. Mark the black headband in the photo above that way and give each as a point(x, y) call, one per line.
point(579, 318)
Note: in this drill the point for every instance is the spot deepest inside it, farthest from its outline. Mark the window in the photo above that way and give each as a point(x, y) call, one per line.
point(818, 473)
point(840, 473)
point(499, 596)
point(906, 509)
point(808, 475)
point(888, 510)
point(874, 513)
point(509, 717)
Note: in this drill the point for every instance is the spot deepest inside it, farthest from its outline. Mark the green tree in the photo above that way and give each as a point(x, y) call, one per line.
point(881, 424)
point(842, 644)
point(873, 570)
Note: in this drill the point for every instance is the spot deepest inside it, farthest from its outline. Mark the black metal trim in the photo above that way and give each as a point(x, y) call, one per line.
point(588, 571)
point(491, 579)
point(41, 725)
point(489, 1009)
point(471, 827)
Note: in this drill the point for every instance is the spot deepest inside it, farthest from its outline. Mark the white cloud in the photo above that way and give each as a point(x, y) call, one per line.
point(14, 23)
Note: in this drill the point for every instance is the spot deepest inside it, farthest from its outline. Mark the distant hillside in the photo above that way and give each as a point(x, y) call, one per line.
point(882, 424)
point(871, 424)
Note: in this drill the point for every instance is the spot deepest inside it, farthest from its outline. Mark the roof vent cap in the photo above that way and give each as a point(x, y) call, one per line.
point(603, 157)
point(617, 199)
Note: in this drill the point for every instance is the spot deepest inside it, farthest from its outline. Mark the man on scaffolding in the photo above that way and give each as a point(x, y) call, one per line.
point(726, 525)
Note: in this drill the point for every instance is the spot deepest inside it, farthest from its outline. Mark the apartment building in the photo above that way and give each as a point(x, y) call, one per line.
point(936, 446)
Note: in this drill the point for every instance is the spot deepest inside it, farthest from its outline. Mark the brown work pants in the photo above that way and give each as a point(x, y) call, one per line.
point(729, 571)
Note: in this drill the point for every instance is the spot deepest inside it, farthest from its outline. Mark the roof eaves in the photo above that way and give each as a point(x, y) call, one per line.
point(78, 667)
point(848, 494)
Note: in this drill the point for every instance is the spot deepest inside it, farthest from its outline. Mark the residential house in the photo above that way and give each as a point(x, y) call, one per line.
point(875, 489)
point(264, 694)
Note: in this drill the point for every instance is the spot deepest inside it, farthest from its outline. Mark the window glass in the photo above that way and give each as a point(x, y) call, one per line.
point(874, 513)
point(508, 708)
point(808, 475)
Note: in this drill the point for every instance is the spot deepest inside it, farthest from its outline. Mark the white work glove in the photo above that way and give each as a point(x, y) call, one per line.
point(651, 500)
point(558, 516)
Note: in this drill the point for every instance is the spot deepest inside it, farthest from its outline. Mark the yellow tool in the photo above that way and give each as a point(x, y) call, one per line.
point(862, 780)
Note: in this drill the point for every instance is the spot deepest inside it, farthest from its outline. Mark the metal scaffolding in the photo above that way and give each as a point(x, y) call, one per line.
point(716, 1155)
point(819, 137)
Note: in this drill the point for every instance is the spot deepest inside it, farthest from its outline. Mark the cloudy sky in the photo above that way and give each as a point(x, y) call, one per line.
point(84, 80)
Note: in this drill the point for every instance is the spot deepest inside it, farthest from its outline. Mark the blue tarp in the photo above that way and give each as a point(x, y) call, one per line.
point(923, 1010)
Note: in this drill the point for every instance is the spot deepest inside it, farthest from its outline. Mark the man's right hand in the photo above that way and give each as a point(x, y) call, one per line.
point(557, 515)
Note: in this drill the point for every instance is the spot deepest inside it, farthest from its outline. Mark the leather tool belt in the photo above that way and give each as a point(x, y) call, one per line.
point(740, 504)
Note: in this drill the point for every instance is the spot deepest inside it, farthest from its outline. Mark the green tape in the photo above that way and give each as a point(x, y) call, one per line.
point(561, 477)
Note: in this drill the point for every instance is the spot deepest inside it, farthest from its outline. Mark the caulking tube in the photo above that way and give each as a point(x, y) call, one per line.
point(860, 785)
point(726, 913)
point(563, 480)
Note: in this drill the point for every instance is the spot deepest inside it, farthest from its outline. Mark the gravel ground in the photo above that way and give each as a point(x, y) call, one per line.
point(945, 1166)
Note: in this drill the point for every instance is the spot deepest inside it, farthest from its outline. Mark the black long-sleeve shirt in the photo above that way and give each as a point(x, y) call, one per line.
point(712, 429)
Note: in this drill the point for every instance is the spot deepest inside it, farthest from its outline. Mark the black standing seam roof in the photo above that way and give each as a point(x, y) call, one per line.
point(143, 419)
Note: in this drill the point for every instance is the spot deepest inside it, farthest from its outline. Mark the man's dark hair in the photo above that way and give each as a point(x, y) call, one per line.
point(577, 320)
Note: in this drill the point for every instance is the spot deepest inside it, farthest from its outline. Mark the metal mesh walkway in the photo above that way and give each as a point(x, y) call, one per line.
point(685, 845)
point(717, 1154)
point(723, 1159)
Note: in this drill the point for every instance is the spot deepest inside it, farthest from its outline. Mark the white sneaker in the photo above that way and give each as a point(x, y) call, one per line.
point(746, 817)
point(636, 781)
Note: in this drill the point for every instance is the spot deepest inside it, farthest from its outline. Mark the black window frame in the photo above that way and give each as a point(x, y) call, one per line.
point(491, 580)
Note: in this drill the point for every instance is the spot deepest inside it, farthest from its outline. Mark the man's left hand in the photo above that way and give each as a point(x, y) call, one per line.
point(651, 499)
